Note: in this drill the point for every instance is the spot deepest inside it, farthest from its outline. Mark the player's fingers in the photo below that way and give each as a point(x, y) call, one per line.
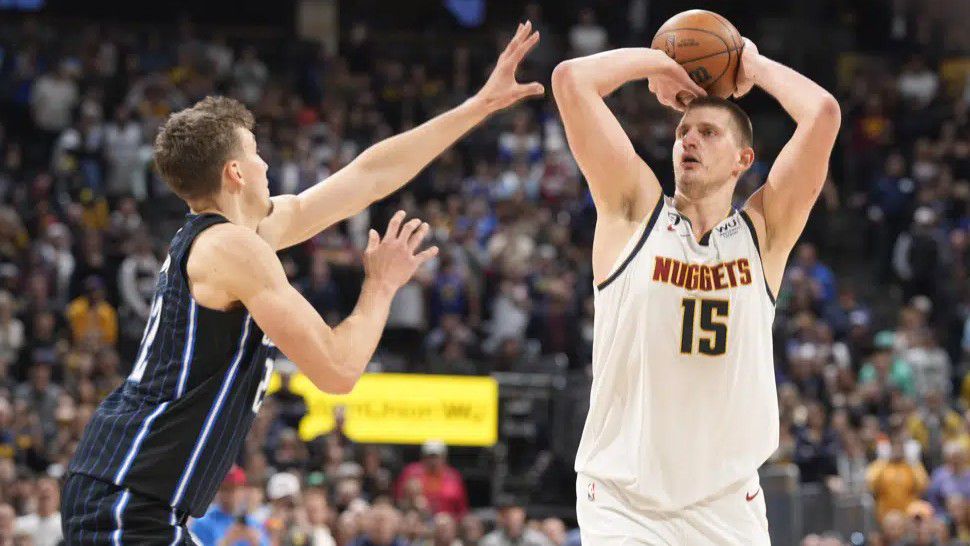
point(409, 228)
point(507, 50)
point(520, 36)
point(394, 226)
point(517, 37)
point(418, 237)
point(426, 255)
point(684, 98)
point(533, 89)
point(526, 46)
point(373, 239)
point(691, 87)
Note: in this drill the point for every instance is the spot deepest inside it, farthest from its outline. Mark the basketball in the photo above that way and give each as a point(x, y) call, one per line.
point(706, 45)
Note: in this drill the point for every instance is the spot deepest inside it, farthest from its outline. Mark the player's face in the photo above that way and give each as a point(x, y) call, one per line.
point(706, 153)
point(253, 170)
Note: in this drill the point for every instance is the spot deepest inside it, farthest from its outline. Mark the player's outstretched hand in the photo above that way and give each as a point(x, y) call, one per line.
point(501, 90)
point(394, 259)
point(749, 58)
point(673, 86)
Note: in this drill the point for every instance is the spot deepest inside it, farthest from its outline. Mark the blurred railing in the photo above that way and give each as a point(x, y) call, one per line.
point(797, 509)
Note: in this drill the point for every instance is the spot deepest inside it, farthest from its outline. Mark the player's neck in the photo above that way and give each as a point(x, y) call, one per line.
point(705, 211)
point(229, 207)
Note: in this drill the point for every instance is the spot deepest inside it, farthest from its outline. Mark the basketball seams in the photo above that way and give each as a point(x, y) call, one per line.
point(735, 37)
point(727, 48)
point(708, 56)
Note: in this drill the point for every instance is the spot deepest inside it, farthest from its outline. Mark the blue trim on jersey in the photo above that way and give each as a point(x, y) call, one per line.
point(119, 508)
point(189, 350)
point(136, 445)
point(178, 531)
point(213, 414)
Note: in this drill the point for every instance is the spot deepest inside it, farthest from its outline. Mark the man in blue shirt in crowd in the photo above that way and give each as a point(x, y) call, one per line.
point(226, 523)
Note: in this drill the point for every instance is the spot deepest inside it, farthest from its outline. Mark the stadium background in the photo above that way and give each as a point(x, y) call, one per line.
point(872, 334)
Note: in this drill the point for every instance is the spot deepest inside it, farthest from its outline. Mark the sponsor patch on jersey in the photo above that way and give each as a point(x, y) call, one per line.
point(730, 228)
point(591, 491)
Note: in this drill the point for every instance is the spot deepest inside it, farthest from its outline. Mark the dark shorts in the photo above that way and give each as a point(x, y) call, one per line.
point(98, 513)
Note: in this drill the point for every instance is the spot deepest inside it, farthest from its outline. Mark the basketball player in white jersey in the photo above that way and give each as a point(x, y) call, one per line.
point(683, 408)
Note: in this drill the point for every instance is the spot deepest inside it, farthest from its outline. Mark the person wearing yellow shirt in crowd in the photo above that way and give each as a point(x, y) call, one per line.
point(91, 315)
point(934, 424)
point(895, 481)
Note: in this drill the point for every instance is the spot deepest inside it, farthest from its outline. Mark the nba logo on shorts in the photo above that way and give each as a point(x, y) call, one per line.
point(591, 491)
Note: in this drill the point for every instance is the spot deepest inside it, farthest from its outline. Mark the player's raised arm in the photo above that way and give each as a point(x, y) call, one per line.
point(781, 207)
point(333, 359)
point(386, 166)
point(622, 184)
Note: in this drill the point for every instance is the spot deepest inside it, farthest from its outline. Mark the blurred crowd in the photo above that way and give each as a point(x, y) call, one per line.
point(872, 362)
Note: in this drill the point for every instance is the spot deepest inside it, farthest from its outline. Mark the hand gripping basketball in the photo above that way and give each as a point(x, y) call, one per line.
point(673, 86)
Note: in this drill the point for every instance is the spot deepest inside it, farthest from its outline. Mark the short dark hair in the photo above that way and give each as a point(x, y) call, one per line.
point(740, 119)
point(194, 144)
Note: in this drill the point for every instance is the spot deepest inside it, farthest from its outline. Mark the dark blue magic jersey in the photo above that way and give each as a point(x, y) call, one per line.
point(173, 429)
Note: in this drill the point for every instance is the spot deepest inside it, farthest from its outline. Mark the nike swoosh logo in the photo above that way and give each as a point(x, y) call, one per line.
point(749, 497)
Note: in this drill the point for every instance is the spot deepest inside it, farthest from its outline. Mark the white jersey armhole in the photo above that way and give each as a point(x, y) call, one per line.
point(634, 244)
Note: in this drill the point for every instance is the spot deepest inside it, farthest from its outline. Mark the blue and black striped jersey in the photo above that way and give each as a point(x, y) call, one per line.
point(176, 425)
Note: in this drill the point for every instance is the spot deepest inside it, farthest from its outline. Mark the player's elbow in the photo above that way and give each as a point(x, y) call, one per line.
point(340, 386)
point(829, 112)
point(334, 381)
point(564, 78)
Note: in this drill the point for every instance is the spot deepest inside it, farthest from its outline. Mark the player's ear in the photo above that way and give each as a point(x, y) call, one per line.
point(232, 173)
point(747, 158)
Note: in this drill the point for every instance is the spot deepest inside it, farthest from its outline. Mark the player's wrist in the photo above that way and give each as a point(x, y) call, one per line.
point(380, 287)
point(481, 105)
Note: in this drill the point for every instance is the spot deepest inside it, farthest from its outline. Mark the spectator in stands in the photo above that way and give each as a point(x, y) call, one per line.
point(918, 83)
point(927, 530)
point(8, 519)
point(896, 481)
point(227, 522)
point(91, 316)
point(472, 530)
point(11, 330)
point(441, 484)
point(587, 37)
point(917, 256)
point(39, 393)
point(949, 479)
point(894, 529)
point(933, 425)
point(43, 525)
point(319, 516)
point(249, 76)
point(382, 525)
point(52, 100)
point(124, 155)
point(136, 285)
point(807, 260)
point(282, 525)
point(555, 531)
point(512, 529)
point(930, 364)
point(445, 531)
point(885, 369)
point(816, 446)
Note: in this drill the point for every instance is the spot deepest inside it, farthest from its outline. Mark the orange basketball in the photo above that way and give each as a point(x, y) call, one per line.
point(706, 45)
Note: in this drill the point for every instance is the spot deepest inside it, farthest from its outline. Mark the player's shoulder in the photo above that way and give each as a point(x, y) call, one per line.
point(225, 246)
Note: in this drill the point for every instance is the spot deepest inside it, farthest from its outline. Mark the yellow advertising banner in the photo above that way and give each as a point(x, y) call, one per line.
point(404, 409)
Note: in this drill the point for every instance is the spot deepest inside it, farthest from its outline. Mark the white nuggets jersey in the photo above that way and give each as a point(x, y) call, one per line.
point(683, 403)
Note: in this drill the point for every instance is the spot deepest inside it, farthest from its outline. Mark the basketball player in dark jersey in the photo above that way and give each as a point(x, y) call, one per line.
point(156, 450)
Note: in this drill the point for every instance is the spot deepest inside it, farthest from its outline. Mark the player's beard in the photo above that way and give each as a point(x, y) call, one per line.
point(699, 182)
